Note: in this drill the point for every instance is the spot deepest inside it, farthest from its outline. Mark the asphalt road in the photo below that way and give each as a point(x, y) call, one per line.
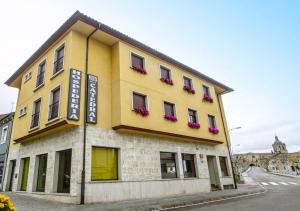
point(283, 194)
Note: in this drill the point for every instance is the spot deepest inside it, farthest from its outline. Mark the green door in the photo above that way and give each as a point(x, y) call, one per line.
point(25, 174)
point(42, 170)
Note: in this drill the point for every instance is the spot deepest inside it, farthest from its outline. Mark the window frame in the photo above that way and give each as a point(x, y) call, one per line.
point(204, 88)
point(214, 120)
point(23, 111)
point(194, 164)
point(166, 68)
point(196, 115)
point(173, 107)
point(190, 80)
point(117, 167)
point(27, 76)
point(51, 102)
point(226, 166)
point(44, 62)
point(3, 139)
point(177, 174)
point(139, 56)
point(141, 94)
point(33, 113)
point(62, 46)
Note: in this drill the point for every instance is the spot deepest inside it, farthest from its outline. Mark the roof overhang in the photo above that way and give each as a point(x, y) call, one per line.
point(86, 25)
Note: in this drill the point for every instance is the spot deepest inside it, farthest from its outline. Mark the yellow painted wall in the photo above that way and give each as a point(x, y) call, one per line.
point(116, 82)
point(158, 92)
point(27, 93)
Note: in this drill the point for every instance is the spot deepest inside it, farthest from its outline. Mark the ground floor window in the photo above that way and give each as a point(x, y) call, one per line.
point(64, 171)
point(41, 174)
point(188, 165)
point(223, 165)
point(168, 165)
point(104, 163)
point(1, 170)
point(25, 170)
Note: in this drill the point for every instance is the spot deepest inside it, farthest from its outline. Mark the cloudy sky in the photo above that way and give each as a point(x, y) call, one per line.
point(252, 46)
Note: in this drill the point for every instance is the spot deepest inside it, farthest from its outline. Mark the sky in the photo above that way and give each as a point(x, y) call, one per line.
point(252, 46)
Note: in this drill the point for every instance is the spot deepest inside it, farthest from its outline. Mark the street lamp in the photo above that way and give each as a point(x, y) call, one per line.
point(230, 156)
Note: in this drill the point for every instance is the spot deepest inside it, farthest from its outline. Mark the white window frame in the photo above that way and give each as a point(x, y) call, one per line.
point(44, 61)
point(27, 76)
point(63, 45)
point(163, 105)
point(192, 86)
point(50, 103)
point(163, 66)
point(139, 93)
point(139, 55)
point(197, 119)
point(3, 138)
point(23, 111)
point(215, 122)
point(33, 109)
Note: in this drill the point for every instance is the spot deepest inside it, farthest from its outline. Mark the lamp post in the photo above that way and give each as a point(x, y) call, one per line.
point(230, 156)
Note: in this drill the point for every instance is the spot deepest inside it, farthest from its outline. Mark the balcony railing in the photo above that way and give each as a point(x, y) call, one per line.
point(58, 64)
point(53, 110)
point(35, 118)
point(40, 79)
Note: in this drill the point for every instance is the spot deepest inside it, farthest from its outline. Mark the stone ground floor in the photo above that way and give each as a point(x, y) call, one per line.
point(119, 167)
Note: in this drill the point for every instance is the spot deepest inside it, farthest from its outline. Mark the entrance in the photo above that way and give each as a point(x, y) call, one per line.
point(213, 173)
point(64, 171)
point(42, 170)
point(12, 165)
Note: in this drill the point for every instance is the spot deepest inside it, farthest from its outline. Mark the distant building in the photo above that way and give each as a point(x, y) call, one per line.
point(6, 122)
point(279, 160)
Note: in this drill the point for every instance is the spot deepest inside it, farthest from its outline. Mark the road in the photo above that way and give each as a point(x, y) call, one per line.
point(282, 195)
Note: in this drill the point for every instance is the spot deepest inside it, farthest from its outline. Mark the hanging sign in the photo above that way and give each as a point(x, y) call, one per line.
point(74, 95)
point(92, 99)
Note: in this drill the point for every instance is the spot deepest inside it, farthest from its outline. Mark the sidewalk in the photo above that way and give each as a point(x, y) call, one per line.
point(27, 203)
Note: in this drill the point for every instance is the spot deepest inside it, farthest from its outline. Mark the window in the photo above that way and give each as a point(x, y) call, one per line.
point(23, 111)
point(54, 106)
point(206, 91)
point(188, 165)
point(165, 73)
point(59, 59)
point(25, 170)
point(168, 165)
point(137, 61)
point(4, 135)
point(139, 101)
point(104, 163)
point(36, 114)
point(212, 121)
point(27, 76)
point(223, 166)
point(193, 116)
point(169, 109)
point(41, 74)
point(187, 82)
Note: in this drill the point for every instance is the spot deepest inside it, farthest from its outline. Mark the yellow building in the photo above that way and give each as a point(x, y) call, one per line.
point(155, 127)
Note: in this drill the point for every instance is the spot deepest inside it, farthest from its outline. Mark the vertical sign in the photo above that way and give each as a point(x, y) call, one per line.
point(74, 95)
point(91, 115)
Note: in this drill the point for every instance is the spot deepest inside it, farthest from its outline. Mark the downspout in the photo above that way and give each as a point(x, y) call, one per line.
point(82, 193)
point(227, 141)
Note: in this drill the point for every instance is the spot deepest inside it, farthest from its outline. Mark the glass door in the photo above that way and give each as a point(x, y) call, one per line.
point(64, 171)
point(42, 170)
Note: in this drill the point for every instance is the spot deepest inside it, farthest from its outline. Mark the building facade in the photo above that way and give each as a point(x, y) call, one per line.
point(154, 127)
point(6, 122)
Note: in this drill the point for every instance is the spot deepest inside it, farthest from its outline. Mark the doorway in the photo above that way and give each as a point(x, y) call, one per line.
point(42, 170)
point(213, 173)
point(64, 171)
point(12, 166)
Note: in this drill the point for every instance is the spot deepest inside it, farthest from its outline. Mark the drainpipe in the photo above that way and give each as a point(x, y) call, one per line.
point(227, 141)
point(82, 194)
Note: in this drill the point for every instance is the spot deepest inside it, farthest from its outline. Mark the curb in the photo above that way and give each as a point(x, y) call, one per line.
point(212, 200)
